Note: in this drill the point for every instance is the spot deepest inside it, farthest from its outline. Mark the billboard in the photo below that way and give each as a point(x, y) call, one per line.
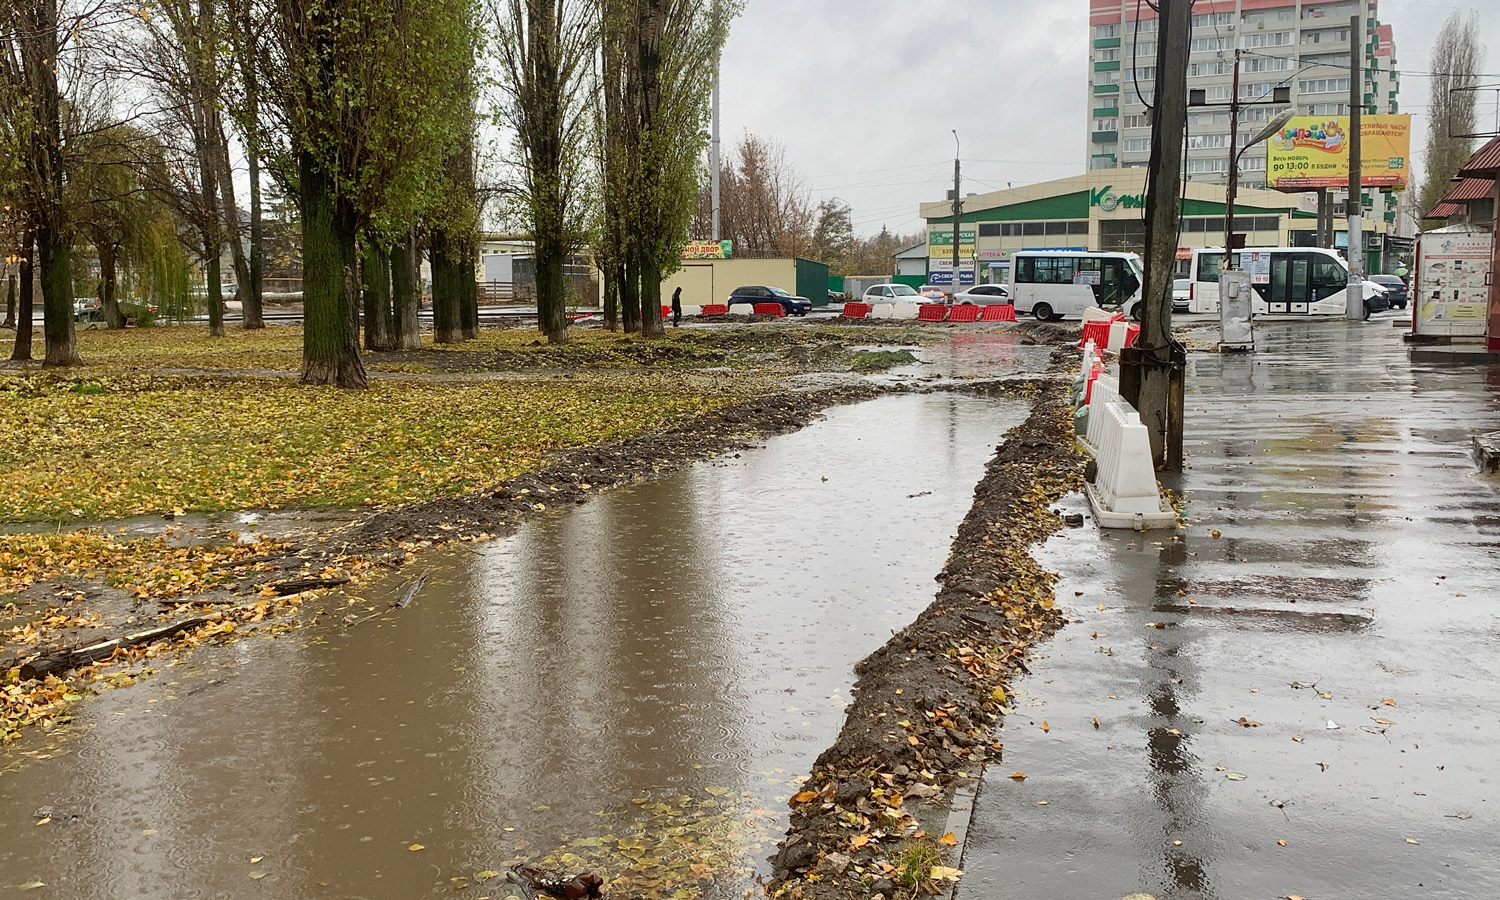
point(940, 244)
point(708, 250)
point(1313, 152)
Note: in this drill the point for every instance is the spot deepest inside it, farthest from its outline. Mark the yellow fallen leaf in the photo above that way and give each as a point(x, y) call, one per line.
point(257, 876)
point(859, 841)
point(415, 847)
point(1046, 729)
point(1019, 776)
point(1389, 701)
point(1281, 843)
point(945, 873)
point(1413, 841)
point(948, 840)
point(805, 796)
point(998, 695)
point(1041, 803)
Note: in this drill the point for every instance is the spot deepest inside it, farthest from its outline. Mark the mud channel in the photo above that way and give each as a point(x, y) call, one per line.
point(633, 685)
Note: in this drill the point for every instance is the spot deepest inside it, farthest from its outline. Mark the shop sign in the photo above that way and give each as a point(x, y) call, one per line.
point(1106, 199)
point(708, 250)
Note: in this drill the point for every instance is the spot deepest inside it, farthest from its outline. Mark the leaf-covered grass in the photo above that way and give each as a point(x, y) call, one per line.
point(158, 443)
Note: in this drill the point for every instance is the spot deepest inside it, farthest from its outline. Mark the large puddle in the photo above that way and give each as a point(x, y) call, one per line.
point(633, 684)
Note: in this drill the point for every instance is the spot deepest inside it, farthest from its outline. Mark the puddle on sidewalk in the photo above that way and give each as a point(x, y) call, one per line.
point(194, 529)
point(637, 681)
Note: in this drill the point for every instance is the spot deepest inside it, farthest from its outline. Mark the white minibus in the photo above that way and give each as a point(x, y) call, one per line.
point(1051, 284)
point(1301, 281)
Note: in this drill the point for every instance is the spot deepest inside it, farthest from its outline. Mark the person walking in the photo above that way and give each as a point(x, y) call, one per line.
point(677, 308)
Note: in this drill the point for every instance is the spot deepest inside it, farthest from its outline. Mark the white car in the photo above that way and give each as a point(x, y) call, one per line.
point(983, 295)
point(891, 293)
point(1182, 294)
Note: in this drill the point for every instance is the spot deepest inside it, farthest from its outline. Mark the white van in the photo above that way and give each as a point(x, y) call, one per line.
point(1301, 281)
point(1051, 284)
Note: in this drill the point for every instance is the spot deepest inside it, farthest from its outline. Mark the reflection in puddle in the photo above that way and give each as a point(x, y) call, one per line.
point(632, 684)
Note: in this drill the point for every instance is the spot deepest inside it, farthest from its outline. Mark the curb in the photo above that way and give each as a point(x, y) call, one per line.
point(960, 817)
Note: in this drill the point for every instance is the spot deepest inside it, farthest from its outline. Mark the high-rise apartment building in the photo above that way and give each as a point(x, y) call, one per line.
point(1299, 44)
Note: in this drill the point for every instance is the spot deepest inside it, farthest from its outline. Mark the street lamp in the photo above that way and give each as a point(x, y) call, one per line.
point(958, 208)
point(1232, 189)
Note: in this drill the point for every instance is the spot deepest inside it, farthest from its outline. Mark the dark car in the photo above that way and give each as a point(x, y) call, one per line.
point(794, 305)
point(1395, 289)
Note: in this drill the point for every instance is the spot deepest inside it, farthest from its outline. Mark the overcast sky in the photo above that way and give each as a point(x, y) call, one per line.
point(864, 94)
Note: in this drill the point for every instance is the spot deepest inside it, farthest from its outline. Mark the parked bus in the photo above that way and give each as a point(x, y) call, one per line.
point(1304, 281)
point(1051, 284)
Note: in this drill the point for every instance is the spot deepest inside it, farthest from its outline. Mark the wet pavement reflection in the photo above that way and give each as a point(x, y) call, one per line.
point(674, 653)
point(1297, 696)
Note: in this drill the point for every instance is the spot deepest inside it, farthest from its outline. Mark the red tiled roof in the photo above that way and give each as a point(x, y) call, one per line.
point(1471, 189)
point(1443, 211)
point(1485, 163)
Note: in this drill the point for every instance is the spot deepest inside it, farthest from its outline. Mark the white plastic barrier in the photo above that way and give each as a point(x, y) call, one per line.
point(1106, 390)
point(1124, 493)
point(1094, 313)
point(881, 310)
point(905, 310)
point(1118, 331)
point(692, 310)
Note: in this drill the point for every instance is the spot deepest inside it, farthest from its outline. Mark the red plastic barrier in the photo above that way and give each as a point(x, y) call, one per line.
point(715, 309)
point(666, 312)
point(963, 313)
point(1132, 335)
point(932, 312)
point(856, 310)
point(1096, 331)
point(998, 313)
point(770, 309)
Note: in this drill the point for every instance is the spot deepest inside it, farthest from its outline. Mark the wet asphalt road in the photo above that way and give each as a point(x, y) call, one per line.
point(1348, 612)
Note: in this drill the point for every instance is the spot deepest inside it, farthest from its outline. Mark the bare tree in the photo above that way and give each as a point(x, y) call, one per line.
point(765, 206)
point(1457, 57)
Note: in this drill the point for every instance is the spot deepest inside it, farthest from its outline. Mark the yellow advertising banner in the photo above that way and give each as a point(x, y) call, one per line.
point(1313, 152)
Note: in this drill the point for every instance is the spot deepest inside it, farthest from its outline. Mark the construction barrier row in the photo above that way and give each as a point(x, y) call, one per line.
point(1111, 334)
point(770, 309)
point(1122, 492)
point(931, 312)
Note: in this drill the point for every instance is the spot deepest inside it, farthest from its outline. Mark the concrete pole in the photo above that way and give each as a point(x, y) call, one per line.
point(1232, 188)
point(1354, 307)
point(1156, 347)
point(713, 144)
point(958, 208)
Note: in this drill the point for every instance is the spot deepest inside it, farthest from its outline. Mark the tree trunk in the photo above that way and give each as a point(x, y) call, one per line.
point(649, 35)
point(406, 290)
point(26, 307)
point(109, 302)
point(330, 330)
point(651, 322)
point(468, 291)
point(612, 278)
point(376, 275)
point(444, 290)
point(10, 300)
point(630, 293)
point(57, 298)
point(240, 259)
point(251, 296)
point(214, 295)
point(552, 313)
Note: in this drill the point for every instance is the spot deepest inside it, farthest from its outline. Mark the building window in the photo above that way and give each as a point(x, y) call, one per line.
point(1137, 145)
point(1206, 166)
point(1328, 109)
point(1145, 73)
point(1210, 44)
point(1323, 85)
point(1107, 77)
point(1109, 55)
point(989, 229)
point(1138, 121)
point(1143, 50)
point(1341, 61)
point(1101, 162)
point(1212, 67)
point(1033, 229)
point(1204, 120)
point(1107, 31)
point(1107, 102)
point(1119, 235)
point(1255, 90)
point(1219, 92)
point(1268, 39)
point(1252, 163)
point(1334, 11)
point(1267, 16)
point(1213, 20)
point(1145, 26)
point(1260, 113)
point(1326, 36)
point(1106, 124)
point(1207, 141)
point(1265, 64)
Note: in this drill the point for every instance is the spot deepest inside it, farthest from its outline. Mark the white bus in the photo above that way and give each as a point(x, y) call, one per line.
point(1303, 281)
point(1051, 284)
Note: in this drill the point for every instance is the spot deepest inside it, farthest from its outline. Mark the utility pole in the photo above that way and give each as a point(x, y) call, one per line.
point(713, 146)
point(1159, 358)
point(1354, 306)
point(1234, 163)
point(958, 207)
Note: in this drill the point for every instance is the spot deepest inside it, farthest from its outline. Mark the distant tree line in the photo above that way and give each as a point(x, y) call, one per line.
point(767, 209)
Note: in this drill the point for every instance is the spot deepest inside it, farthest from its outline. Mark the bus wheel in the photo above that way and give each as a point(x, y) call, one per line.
point(1042, 311)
